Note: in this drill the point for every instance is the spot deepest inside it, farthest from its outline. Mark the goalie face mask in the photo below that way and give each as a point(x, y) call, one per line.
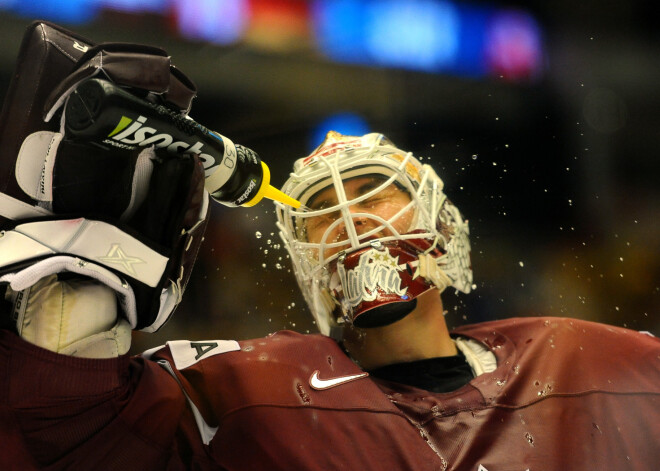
point(132, 220)
point(375, 231)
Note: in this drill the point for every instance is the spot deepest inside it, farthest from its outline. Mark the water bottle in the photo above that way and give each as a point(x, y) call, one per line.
point(102, 112)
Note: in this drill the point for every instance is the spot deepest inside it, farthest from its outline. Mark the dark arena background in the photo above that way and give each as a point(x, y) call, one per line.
point(543, 119)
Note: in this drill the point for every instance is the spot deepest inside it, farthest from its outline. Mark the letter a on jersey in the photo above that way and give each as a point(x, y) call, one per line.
point(186, 353)
point(202, 348)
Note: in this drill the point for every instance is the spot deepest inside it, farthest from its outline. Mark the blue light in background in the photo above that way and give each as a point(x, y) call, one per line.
point(470, 57)
point(416, 34)
point(70, 11)
point(339, 29)
point(411, 34)
point(350, 124)
point(217, 21)
point(136, 6)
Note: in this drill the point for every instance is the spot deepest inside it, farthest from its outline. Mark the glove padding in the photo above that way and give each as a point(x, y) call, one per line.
point(75, 316)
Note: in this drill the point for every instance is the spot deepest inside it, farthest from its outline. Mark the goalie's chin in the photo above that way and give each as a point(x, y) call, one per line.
point(385, 314)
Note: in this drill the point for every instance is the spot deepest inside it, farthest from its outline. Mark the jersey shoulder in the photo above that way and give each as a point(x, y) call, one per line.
point(570, 356)
point(526, 329)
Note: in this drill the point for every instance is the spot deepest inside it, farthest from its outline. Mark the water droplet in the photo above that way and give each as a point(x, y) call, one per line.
point(529, 438)
point(258, 234)
point(521, 264)
point(302, 393)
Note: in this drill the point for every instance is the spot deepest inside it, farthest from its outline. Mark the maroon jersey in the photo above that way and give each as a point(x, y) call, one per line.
point(566, 395)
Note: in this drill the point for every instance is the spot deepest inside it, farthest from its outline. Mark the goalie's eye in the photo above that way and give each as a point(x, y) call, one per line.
point(382, 200)
point(322, 220)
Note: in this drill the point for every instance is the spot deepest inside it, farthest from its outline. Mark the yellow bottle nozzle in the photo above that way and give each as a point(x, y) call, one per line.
point(276, 195)
point(270, 192)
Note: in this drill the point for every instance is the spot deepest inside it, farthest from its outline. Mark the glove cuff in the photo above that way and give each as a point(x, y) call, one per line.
point(76, 317)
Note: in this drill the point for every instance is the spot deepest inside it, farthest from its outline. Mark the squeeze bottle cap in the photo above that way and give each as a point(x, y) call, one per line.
point(270, 192)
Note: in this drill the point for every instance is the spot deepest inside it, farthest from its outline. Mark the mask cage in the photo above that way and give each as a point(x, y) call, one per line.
point(433, 219)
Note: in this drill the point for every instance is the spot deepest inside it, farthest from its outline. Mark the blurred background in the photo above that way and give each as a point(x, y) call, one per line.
point(543, 119)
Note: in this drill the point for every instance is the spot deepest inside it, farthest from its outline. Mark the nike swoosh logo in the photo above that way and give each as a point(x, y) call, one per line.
point(319, 384)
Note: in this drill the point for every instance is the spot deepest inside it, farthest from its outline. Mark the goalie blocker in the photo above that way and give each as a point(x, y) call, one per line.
point(132, 220)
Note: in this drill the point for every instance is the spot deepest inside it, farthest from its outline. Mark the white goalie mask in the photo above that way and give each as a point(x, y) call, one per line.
point(374, 231)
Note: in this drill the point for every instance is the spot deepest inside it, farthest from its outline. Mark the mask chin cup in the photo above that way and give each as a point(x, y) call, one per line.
point(385, 315)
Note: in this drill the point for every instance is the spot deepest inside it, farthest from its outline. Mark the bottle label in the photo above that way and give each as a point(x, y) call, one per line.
point(220, 173)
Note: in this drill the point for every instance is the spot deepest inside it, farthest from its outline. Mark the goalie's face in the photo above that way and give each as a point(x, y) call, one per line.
point(374, 202)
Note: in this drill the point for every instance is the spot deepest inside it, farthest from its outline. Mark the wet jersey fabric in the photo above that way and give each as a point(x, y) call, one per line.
point(566, 395)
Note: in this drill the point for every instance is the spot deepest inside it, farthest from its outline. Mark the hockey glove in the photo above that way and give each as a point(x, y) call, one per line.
point(131, 220)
